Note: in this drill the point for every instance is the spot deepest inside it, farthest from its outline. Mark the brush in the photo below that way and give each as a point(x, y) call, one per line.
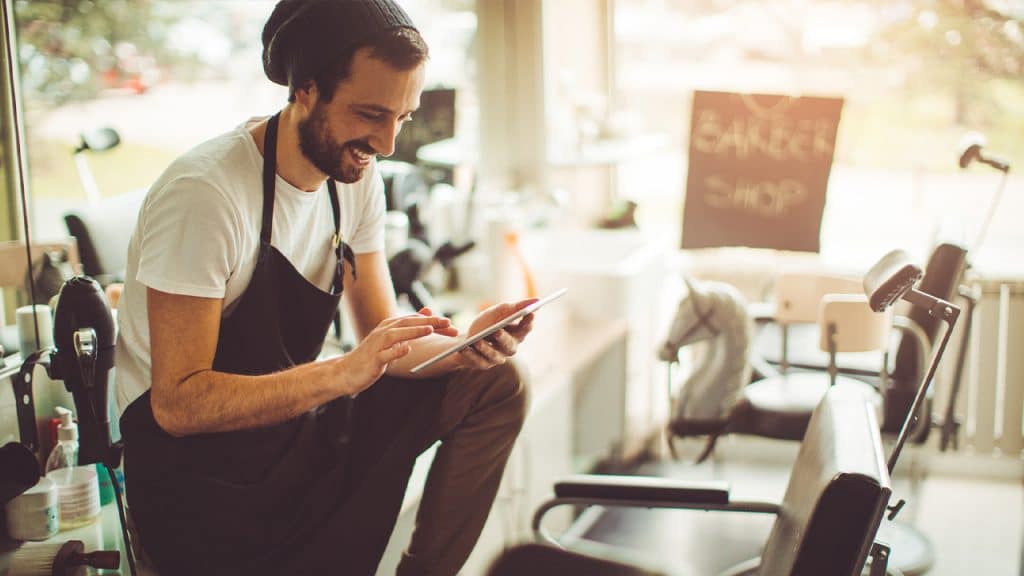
point(60, 559)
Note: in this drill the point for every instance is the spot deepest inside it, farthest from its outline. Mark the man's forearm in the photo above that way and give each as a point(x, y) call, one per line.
point(211, 401)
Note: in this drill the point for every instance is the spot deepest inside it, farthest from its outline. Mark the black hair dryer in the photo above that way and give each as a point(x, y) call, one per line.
point(83, 338)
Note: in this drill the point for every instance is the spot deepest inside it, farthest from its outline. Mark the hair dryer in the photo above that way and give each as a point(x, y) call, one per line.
point(83, 338)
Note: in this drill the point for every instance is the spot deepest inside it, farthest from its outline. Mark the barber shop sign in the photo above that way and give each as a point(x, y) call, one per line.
point(758, 170)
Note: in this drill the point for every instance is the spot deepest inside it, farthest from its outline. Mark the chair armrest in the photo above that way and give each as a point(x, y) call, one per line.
point(643, 488)
point(908, 327)
point(643, 492)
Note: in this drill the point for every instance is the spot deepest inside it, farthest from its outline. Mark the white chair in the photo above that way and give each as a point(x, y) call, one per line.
point(780, 406)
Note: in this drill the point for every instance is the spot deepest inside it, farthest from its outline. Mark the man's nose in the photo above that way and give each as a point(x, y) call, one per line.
point(383, 140)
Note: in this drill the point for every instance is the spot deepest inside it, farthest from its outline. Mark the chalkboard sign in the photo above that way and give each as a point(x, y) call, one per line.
point(758, 170)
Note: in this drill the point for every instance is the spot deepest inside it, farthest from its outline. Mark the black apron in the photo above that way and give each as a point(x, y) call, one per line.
point(235, 502)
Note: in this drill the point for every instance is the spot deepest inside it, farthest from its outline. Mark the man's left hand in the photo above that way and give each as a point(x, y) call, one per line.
point(497, 348)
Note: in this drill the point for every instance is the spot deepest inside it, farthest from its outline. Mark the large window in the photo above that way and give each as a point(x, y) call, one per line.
point(915, 75)
point(166, 75)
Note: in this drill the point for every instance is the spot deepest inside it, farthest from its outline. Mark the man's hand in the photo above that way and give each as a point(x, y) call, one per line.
point(449, 331)
point(497, 348)
point(389, 341)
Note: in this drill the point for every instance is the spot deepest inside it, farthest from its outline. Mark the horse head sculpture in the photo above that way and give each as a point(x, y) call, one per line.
point(715, 313)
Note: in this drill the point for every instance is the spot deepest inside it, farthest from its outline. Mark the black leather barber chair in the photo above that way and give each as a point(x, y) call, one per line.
point(793, 348)
point(892, 278)
point(826, 523)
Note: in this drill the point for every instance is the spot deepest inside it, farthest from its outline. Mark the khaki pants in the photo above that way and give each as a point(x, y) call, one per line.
point(476, 415)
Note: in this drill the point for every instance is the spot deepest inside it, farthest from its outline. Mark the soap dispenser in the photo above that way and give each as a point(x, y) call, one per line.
point(65, 453)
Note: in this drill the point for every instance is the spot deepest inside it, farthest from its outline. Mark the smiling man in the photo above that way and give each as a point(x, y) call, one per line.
point(245, 453)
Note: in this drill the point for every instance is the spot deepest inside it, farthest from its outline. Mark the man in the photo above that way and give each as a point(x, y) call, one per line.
point(244, 453)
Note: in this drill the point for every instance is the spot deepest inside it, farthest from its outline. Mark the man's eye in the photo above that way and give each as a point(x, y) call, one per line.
point(371, 116)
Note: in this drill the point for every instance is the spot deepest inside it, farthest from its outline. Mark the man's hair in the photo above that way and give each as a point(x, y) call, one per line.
point(401, 48)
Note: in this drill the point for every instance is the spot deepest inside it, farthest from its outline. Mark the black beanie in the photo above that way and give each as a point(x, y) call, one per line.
point(302, 37)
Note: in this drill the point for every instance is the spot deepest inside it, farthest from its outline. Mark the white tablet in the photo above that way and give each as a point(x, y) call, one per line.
point(489, 330)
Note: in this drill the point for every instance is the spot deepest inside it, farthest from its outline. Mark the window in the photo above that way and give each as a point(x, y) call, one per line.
point(915, 76)
point(167, 75)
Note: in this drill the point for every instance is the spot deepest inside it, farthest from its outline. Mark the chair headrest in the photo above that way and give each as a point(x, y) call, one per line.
point(889, 279)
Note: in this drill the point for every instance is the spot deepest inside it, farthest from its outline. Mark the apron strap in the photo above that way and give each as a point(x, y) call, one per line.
point(342, 250)
point(269, 178)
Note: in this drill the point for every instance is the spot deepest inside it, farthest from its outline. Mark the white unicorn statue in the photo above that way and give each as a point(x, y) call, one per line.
point(714, 312)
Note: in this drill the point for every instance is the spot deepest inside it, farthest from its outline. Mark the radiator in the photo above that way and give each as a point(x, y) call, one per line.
point(990, 403)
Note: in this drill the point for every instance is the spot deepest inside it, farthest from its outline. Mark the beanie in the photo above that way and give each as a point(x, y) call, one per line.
point(302, 37)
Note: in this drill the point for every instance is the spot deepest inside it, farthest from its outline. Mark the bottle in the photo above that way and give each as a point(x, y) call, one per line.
point(78, 491)
point(65, 453)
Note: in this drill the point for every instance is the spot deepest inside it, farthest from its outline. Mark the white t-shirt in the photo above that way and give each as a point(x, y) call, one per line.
point(198, 234)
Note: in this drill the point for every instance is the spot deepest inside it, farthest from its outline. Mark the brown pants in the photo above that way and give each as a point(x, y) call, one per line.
point(476, 415)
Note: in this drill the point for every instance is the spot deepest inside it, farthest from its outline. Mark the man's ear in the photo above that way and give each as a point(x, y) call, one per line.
point(307, 95)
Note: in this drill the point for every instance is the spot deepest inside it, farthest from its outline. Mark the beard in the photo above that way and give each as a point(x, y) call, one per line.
point(327, 154)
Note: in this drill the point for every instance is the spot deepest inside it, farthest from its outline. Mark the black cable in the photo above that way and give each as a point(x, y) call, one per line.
point(20, 163)
point(120, 513)
point(88, 380)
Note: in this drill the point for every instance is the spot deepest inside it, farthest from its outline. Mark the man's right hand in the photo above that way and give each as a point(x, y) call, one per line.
point(389, 341)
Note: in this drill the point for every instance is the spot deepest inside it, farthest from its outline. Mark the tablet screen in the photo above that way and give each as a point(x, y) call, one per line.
point(489, 330)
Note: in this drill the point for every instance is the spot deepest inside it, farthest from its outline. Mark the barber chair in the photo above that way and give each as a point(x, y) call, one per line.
point(825, 524)
point(787, 343)
point(829, 519)
point(103, 231)
point(779, 405)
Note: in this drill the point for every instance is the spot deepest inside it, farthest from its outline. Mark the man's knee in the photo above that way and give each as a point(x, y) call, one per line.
point(508, 388)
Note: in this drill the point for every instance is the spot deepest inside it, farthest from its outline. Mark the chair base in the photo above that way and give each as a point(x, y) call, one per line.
point(912, 552)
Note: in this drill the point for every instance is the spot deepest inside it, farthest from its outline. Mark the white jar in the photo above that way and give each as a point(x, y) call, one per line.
point(33, 514)
point(78, 494)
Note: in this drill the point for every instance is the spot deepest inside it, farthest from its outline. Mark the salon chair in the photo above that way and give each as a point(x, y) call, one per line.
point(773, 408)
point(829, 520)
point(826, 523)
point(103, 231)
point(789, 346)
point(779, 405)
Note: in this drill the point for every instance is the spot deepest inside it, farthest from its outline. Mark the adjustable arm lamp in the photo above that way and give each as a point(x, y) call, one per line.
point(890, 279)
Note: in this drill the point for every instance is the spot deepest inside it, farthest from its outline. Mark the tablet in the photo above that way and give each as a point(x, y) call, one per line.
point(489, 330)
